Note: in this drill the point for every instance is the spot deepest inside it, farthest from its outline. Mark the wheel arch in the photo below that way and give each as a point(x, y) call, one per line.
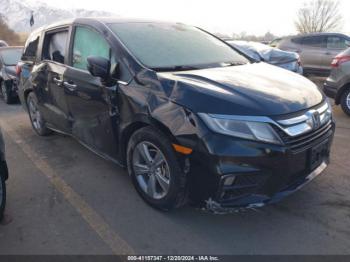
point(341, 92)
point(129, 130)
point(26, 94)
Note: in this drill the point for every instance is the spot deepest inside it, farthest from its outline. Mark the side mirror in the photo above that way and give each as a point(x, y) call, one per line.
point(99, 67)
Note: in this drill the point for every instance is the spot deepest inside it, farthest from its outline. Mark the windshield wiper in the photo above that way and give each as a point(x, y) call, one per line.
point(233, 63)
point(174, 68)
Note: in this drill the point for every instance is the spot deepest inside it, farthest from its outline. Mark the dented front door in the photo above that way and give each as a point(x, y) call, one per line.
point(93, 118)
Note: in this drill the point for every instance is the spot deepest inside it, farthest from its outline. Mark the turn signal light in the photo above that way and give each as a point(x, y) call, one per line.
point(182, 149)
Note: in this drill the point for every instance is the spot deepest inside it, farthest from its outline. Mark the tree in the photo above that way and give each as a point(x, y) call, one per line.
point(319, 16)
point(7, 34)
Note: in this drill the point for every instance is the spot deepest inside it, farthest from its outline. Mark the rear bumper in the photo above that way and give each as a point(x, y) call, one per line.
point(12, 87)
point(329, 90)
point(262, 173)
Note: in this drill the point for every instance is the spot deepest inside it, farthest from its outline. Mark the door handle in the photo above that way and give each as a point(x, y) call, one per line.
point(328, 53)
point(70, 86)
point(57, 81)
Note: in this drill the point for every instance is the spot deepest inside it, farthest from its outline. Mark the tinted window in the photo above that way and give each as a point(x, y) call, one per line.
point(336, 42)
point(55, 46)
point(161, 45)
point(298, 40)
point(87, 43)
point(11, 56)
point(31, 48)
point(315, 41)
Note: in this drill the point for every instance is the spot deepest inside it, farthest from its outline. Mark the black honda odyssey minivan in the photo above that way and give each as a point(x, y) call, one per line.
point(189, 117)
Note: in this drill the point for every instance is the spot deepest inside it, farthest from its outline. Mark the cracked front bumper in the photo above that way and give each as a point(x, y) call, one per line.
point(233, 173)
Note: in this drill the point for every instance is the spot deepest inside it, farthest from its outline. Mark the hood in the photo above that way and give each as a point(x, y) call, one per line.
point(10, 70)
point(254, 89)
point(276, 56)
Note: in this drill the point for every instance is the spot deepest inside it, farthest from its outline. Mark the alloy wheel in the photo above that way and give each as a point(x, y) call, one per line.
point(348, 100)
point(151, 170)
point(35, 115)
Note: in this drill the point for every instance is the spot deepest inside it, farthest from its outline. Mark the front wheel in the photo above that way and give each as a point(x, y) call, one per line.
point(155, 169)
point(345, 101)
point(36, 119)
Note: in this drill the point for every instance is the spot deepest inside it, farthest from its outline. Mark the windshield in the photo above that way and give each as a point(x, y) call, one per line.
point(161, 45)
point(11, 56)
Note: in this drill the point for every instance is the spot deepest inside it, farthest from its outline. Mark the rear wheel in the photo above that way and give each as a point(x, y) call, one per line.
point(345, 101)
point(35, 116)
point(6, 94)
point(2, 194)
point(155, 170)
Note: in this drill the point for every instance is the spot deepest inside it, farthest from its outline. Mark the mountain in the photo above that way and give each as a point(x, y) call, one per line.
point(17, 14)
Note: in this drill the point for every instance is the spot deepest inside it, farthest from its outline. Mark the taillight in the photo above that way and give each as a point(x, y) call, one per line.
point(18, 70)
point(338, 60)
point(299, 61)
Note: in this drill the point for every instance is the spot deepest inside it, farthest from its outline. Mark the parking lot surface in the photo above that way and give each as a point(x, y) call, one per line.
point(63, 199)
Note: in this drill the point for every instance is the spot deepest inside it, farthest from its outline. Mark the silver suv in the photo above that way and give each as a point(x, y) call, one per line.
point(337, 85)
point(316, 50)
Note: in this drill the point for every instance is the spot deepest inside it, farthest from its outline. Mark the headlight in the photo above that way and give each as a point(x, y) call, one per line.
point(253, 130)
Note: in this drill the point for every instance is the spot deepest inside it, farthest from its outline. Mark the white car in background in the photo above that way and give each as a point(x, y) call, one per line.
point(270, 55)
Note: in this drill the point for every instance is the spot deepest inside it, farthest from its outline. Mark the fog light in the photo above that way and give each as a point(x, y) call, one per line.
point(229, 181)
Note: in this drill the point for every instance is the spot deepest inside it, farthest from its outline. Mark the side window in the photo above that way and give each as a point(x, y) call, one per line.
point(55, 46)
point(88, 42)
point(297, 40)
point(336, 42)
point(31, 48)
point(315, 41)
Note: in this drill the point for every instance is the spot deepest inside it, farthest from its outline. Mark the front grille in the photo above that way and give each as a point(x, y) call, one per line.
point(303, 141)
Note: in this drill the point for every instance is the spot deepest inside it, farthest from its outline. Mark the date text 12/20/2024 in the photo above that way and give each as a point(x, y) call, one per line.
point(173, 258)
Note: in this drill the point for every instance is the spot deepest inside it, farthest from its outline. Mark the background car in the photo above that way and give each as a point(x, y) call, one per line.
point(3, 177)
point(316, 50)
point(3, 43)
point(337, 85)
point(273, 56)
point(9, 57)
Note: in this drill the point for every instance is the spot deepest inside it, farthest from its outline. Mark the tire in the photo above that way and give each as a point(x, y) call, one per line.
point(38, 123)
point(345, 101)
point(2, 194)
point(6, 94)
point(170, 182)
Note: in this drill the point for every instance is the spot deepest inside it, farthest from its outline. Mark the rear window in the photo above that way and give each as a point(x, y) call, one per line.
point(314, 41)
point(11, 57)
point(55, 46)
point(298, 40)
point(31, 48)
point(337, 42)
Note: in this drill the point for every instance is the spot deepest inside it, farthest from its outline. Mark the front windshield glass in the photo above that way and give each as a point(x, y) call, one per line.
point(11, 56)
point(162, 45)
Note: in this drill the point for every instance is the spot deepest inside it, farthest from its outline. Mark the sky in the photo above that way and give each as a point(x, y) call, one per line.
point(218, 16)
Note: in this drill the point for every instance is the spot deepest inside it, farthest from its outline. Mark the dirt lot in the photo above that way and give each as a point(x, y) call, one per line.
point(63, 199)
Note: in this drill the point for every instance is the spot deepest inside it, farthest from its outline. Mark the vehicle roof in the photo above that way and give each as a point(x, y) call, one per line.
point(103, 20)
point(318, 34)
